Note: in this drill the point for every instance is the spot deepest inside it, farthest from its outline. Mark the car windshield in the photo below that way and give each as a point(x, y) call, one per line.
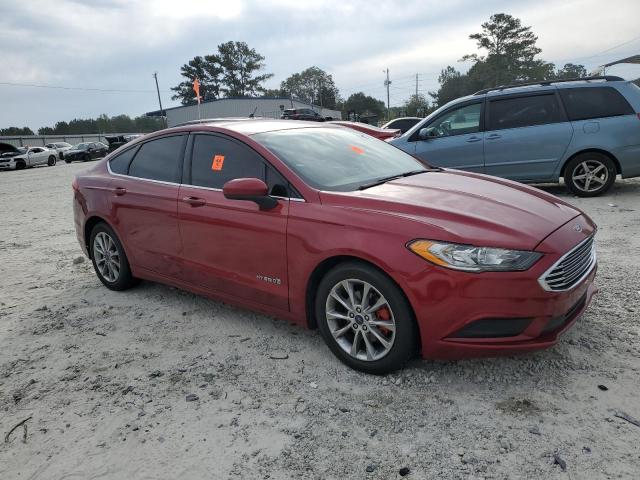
point(81, 146)
point(338, 159)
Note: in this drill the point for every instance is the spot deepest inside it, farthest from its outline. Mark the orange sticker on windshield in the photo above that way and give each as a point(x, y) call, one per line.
point(217, 163)
point(358, 150)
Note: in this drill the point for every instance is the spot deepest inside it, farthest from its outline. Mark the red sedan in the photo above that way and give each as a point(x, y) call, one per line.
point(377, 132)
point(331, 228)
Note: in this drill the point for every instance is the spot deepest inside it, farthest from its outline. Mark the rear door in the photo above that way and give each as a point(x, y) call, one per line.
point(526, 136)
point(144, 202)
point(457, 140)
point(231, 246)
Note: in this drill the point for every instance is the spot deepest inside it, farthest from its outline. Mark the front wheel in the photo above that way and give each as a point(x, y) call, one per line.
point(365, 319)
point(109, 259)
point(589, 174)
point(86, 158)
point(52, 161)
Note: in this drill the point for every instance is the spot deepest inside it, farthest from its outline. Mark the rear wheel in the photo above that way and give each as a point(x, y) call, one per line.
point(109, 259)
point(365, 319)
point(589, 174)
point(52, 161)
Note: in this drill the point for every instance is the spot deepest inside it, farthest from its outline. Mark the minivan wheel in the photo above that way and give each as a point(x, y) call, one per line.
point(590, 174)
point(52, 161)
point(365, 319)
point(109, 259)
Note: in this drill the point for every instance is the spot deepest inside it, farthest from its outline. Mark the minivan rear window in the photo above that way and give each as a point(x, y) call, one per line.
point(517, 112)
point(594, 102)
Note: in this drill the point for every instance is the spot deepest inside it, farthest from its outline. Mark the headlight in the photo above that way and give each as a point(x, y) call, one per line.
point(473, 259)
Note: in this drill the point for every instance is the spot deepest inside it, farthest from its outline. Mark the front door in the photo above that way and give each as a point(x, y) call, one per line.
point(231, 246)
point(455, 139)
point(525, 137)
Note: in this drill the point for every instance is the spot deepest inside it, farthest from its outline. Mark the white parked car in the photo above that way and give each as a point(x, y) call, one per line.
point(59, 147)
point(24, 157)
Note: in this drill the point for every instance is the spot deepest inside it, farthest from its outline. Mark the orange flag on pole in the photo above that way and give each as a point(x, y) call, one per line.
point(196, 88)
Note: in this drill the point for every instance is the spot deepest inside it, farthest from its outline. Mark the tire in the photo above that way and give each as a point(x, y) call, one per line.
point(589, 174)
point(67, 161)
point(339, 329)
point(52, 161)
point(86, 158)
point(20, 165)
point(104, 239)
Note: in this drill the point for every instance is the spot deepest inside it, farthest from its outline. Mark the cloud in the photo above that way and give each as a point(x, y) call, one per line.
point(118, 44)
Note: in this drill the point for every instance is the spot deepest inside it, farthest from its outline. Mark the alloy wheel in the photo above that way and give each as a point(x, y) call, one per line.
point(590, 175)
point(107, 257)
point(360, 319)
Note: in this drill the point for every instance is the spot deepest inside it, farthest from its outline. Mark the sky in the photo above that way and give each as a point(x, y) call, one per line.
point(115, 46)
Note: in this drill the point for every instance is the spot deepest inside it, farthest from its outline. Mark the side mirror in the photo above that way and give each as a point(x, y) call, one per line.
point(427, 133)
point(252, 189)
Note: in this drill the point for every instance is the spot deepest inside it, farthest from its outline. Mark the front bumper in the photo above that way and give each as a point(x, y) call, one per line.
point(10, 165)
point(464, 315)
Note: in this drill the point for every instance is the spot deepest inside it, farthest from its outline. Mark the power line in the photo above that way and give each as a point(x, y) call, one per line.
point(59, 87)
point(602, 52)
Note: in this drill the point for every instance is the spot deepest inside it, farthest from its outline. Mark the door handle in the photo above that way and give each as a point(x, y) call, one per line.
point(194, 201)
point(119, 191)
point(494, 136)
point(473, 139)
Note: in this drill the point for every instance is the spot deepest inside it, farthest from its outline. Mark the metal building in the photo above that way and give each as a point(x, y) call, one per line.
point(269, 107)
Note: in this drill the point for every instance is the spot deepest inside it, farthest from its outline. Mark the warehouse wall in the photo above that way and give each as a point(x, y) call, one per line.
point(41, 140)
point(241, 107)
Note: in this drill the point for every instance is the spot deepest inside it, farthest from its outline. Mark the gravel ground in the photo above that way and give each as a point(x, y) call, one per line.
point(159, 383)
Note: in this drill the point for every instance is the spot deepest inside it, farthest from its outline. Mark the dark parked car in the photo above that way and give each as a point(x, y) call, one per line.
point(329, 227)
point(403, 124)
point(302, 114)
point(117, 141)
point(86, 151)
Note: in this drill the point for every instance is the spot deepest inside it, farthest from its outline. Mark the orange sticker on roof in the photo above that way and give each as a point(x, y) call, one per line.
point(358, 150)
point(218, 161)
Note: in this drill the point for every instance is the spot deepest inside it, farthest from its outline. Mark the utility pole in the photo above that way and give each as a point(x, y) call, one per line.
point(155, 76)
point(417, 85)
point(387, 82)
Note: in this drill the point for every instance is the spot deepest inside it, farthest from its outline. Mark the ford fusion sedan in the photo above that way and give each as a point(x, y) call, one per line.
point(27, 157)
point(331, 228)
point(85, 152)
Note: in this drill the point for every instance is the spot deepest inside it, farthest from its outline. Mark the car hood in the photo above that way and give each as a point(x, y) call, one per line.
point(10, 154)
point(464, 207)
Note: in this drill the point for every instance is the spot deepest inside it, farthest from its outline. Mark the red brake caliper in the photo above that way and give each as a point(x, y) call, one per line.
point(383, 314)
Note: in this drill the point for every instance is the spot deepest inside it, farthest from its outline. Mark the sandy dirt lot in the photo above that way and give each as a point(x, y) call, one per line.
point(105, 378)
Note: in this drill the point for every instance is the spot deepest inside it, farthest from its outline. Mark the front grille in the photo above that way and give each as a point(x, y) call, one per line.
point(571, 268)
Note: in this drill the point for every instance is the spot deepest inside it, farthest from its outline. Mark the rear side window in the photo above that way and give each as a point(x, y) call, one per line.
point(159, 159)
point(120, 164)
point(524, 112)
point(594, 102)
point(216, 160)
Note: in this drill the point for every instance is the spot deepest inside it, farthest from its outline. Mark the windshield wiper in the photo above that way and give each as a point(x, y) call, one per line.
point(380, 181)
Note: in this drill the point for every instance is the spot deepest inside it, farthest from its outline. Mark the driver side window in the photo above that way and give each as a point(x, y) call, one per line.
point(459, 121)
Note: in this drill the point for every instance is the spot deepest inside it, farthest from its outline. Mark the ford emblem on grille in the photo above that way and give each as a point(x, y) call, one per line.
point(577, 227)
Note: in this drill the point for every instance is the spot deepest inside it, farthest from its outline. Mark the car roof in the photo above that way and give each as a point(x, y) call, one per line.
point(251, 126)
